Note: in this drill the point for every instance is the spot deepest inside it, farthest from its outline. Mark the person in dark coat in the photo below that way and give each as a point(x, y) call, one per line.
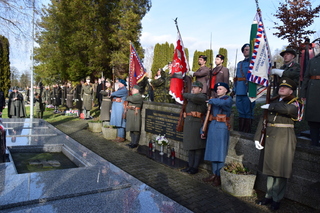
point(244, 105)
point(2, 102)
point(202, 74)
point(77, 96)
point(290, 69)
point(70, 95)
point(100, 87)
point(309, 94)
point(159, 86)
point(133, 116)
point(218, 74)
point(118, 97)
point(280, 142)
point(106, 101)
point(87, 98)
point(57, 94)
point(218, 132)
point(16, 108)
point(193, 119)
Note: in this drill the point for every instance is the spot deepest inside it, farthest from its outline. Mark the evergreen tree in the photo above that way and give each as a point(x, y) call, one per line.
point(4, 65)
point(87, 38)
point(224, 52)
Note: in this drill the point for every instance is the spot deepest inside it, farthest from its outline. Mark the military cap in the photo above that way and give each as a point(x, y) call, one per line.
point(221, 84)
point(287, 82)
point(220, 56)
point(88, 78)
point(289, 50)
point(136, 87)
point(244, 46)
point(203, 57)
point(197, 84)
point(123, 82)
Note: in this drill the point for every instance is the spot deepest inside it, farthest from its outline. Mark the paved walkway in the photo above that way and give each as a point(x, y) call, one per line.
point(187, 190)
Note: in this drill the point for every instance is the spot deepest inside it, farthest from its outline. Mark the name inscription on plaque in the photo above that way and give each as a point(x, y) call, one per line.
point(159, 122)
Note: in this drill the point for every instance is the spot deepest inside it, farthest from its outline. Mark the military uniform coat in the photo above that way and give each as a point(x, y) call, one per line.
point(87, 96)
point(70, 94)
point(310, 89)
point(202, 75)
point(280, 143)
point(105, 105)
point(292, 71)
point(221, 74)
point(133, 116)
point(159, 89)
point(16, 107)
point(218, 133)
point(192, 125)
point(57, 96)
point(77, 96)
point(117, 107)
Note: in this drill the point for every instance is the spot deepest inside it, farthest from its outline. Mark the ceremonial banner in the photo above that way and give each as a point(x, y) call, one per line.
point(179, 67)
point(260, 63)
point(136, 69)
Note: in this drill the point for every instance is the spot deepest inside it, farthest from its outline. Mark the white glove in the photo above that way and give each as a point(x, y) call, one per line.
point(266, 106)
point(149, 79)
point(258, 145)
point(81, 99)
point(278, 72)
point(191, 73)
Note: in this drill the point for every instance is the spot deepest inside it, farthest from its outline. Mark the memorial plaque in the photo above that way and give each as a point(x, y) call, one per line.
point(159, 122)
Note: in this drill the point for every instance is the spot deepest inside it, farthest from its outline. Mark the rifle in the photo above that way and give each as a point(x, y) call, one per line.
point(186, 88)
point(205, 123)
point(265, 115)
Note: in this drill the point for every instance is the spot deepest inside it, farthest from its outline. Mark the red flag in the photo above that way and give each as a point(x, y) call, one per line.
point(179, 66)
point(136, 69)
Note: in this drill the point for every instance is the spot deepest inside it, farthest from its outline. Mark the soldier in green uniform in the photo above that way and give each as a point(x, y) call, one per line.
point(133, 116)
point(289, 69)
point(159, 87)
point(194, 116)
point(280, 142)
point(38, 100)
point(87, 97)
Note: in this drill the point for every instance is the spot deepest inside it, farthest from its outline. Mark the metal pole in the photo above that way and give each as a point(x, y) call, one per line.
point(31, 80)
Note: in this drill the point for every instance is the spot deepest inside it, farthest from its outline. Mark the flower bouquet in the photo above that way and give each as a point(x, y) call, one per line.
point(162, 140)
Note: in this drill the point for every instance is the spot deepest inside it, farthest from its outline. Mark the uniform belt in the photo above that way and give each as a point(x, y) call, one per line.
point(69, 94)
point(239, 79)
point(281, 125)
point(133, 107)
point(117, 100)
point(105, 99)
point(86, 94)
point(193, 114)
point(211, 118)
point(315, 77)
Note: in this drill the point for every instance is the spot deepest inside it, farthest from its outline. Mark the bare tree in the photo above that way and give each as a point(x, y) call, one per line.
point(295, 16)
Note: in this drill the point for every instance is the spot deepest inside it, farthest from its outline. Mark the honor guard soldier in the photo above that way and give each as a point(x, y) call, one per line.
point(202, 74)
point(133, 116)
point(193, 119)
point(280, 141)
point(243, 103)
point(87, 97)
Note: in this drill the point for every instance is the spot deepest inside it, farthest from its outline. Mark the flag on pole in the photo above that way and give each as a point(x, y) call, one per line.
point(260, 63)
point(179, 68)
point(136, 69)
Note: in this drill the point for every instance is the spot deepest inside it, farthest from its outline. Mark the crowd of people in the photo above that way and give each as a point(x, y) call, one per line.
point(206, 115)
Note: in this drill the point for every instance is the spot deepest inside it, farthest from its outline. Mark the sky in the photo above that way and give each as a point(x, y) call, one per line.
point(227, 23)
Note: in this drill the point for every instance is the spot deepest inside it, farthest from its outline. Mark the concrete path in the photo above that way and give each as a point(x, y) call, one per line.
point(187, 190)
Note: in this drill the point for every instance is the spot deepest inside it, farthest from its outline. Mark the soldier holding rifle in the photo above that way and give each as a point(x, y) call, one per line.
point(193, 118)
point(280, 141)
point(218, 131)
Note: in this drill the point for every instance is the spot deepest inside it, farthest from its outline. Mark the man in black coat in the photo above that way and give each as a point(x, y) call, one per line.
point(2, 102)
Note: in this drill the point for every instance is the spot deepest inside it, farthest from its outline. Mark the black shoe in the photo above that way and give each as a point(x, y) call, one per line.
point(193, 171)
point(132, 146)
point(129, 144)
point(185, 169)
point(275, 206)
point(265, 201)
